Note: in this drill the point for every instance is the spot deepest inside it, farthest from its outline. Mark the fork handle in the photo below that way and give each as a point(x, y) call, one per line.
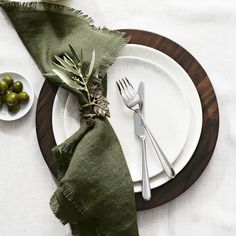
point(161, 155)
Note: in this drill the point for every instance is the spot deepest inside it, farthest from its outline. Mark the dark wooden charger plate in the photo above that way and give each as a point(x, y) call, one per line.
point(210, 127)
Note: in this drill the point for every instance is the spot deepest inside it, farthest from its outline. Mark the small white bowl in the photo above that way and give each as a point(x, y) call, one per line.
point(24, 108)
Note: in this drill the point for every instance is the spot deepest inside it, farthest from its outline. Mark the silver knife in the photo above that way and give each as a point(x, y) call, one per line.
point(140, 132)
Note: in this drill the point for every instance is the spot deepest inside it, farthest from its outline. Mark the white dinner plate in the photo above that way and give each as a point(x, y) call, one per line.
point(24, 108)
point(171, 101)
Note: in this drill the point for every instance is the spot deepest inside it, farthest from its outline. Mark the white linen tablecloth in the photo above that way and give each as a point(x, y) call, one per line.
point(207, 29)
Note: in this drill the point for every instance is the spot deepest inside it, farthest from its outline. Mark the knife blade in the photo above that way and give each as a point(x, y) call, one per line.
point(140, 132)
point(139, 129)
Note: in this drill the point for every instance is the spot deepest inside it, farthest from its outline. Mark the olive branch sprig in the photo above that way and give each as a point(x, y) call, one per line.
point(70, 69)
point(78, 80)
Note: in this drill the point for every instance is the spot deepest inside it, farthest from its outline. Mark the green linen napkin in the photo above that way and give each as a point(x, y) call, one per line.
point(95, 192)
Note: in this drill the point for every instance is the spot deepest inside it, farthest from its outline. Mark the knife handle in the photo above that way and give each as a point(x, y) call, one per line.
point(146, 190)
point(162, 157)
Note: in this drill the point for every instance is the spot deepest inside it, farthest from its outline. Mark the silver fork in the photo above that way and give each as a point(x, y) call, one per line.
point(132, 101)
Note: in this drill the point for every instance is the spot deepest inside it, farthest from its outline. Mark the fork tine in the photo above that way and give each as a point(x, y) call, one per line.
point(124, 88)
point(118, 86)
point(126, 85)
point(121, 89)
point(131, 86)
point(122, 84)
point(127, 89)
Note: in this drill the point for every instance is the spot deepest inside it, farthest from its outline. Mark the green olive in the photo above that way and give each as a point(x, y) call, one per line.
point(3, 87)
point(12, 99)
point(8, 80)
point(5, 95)
point(17, 87)
point(14, 108)
point(23, 97)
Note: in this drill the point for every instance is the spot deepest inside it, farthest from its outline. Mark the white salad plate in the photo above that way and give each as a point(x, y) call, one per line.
point(24, 108)
point(172, 110)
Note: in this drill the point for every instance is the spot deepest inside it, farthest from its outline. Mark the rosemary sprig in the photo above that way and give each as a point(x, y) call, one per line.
point(70, 69)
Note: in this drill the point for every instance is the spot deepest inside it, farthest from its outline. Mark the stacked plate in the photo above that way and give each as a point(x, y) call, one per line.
point(172, 109)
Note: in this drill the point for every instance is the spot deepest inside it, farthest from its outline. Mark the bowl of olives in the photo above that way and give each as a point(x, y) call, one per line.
point(16, 96)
